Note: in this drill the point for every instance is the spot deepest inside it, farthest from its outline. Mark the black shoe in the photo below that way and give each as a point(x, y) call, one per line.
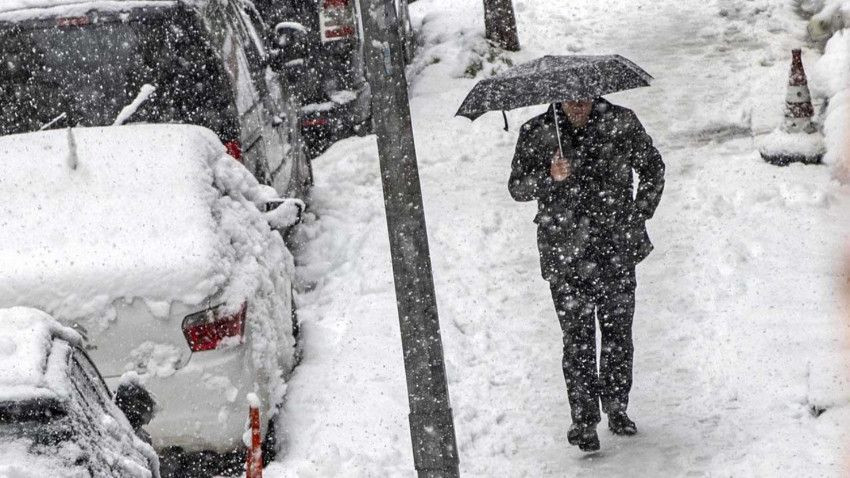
point(584, 437)
point(620, 424)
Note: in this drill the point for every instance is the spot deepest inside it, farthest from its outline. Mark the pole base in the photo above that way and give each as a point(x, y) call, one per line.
point(434, 447)
point(786, 159)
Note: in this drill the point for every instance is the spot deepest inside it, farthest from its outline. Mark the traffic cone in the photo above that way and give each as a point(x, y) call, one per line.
point(797, 139)
point(254, 456)
point(798, 99)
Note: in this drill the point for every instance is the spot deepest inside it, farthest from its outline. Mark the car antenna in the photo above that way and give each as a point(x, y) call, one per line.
point(54, 121)
point(73, 159)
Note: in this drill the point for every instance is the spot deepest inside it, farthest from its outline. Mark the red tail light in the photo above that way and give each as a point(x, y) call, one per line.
point(206, 330)
point(338, 20)
point(314, 122)
point(234, 148)
point(73, 21)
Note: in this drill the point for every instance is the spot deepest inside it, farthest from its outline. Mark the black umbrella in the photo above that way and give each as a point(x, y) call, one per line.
point(553, 79)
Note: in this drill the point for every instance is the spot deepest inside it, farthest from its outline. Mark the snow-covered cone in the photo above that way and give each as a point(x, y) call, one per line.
point(798, 139)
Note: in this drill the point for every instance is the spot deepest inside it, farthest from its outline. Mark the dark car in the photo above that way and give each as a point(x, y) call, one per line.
point(83, 63)
point(57, 417)
point(336, 98)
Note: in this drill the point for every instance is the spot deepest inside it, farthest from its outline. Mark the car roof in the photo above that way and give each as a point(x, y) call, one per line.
point(94, 215)
point(33, 355)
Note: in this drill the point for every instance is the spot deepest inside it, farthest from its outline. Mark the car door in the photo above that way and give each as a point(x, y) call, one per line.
point(229, 41)
point(281, 132)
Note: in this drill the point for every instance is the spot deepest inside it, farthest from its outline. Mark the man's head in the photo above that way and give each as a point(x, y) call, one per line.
point(578, 112)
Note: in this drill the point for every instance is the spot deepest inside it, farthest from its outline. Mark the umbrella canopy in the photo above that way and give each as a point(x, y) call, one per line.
point(552, 79)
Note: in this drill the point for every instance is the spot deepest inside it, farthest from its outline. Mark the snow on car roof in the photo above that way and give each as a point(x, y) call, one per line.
point(28, 366)
point(134, 219)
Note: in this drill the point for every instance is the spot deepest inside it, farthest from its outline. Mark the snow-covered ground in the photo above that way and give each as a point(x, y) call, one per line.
point(740, 344)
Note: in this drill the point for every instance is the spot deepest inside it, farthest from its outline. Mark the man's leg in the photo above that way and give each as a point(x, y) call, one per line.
point(616, 313)
point(576, 315)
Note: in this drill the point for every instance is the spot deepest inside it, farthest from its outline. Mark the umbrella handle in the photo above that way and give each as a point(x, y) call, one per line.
point(557, 129)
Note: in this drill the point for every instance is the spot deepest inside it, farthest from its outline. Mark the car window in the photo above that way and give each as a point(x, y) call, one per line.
point(236, 64)
point(90, 72)
point(88, 381)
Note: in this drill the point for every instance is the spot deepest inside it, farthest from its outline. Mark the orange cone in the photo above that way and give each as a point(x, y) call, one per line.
point(797, 140)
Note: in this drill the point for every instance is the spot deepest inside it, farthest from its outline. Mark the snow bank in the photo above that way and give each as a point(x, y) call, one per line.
point(831, 79)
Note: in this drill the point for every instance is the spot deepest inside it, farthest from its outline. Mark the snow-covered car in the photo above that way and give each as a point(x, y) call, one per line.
point(156, 246)
point(57, 417)
point(82, 62)
point(336, 95)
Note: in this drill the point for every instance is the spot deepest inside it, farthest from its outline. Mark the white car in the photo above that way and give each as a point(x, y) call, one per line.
point(57, 418)
point(157, 247)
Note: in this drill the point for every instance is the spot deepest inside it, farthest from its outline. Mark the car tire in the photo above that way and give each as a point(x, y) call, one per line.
point(269, 445)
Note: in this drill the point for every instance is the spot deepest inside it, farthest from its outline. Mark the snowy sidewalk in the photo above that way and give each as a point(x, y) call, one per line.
point(738, 342)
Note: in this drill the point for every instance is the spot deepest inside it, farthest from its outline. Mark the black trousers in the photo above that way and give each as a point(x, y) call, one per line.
point(611, 300)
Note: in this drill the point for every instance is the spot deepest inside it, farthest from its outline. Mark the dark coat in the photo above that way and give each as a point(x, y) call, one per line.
point(590, 225)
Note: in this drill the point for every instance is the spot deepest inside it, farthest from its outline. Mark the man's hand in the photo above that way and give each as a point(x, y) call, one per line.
point(560, 169)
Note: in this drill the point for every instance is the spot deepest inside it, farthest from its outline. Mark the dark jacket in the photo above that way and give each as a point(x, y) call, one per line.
point(590, 224)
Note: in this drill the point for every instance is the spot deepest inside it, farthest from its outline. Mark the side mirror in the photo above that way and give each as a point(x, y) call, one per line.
point(283, 214)
point(291, 49)
point(136, 402)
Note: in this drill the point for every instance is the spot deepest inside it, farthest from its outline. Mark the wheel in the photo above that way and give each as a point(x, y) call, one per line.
point(269, 445)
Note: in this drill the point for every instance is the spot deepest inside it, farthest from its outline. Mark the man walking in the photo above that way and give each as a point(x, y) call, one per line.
point(577, 160)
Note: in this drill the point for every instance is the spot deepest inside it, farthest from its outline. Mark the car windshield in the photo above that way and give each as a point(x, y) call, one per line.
point(90, 70)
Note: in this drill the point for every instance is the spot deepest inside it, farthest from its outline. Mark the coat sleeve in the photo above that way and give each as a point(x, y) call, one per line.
point(647, 162)
point(530, 177)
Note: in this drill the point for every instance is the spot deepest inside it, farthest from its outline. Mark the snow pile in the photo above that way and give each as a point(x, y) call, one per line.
point(831, 79)
point(780, 143)
point(827, 17)
point(26, 339)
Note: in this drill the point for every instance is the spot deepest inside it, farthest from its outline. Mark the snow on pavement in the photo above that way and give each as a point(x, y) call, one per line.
point(740, 349)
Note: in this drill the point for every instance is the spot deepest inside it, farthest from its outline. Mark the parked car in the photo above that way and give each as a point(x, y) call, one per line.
point(57, 417)
point(335, 93)
point(80, 63)
point(157, 248)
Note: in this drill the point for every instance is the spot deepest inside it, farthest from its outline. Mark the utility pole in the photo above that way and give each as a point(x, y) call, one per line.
point(500, 24)
point(431, 424)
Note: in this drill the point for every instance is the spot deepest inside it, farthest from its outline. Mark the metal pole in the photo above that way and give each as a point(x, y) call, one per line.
point(431, 424)
point(557, 129)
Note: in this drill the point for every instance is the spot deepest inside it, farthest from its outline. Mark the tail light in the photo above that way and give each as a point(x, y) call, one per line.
point(337, 19)
point(314, 122)
point(73, 21)
point(234, 148)
point(206, 330)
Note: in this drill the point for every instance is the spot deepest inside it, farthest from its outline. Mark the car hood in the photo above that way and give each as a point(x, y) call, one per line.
point(93, 215)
